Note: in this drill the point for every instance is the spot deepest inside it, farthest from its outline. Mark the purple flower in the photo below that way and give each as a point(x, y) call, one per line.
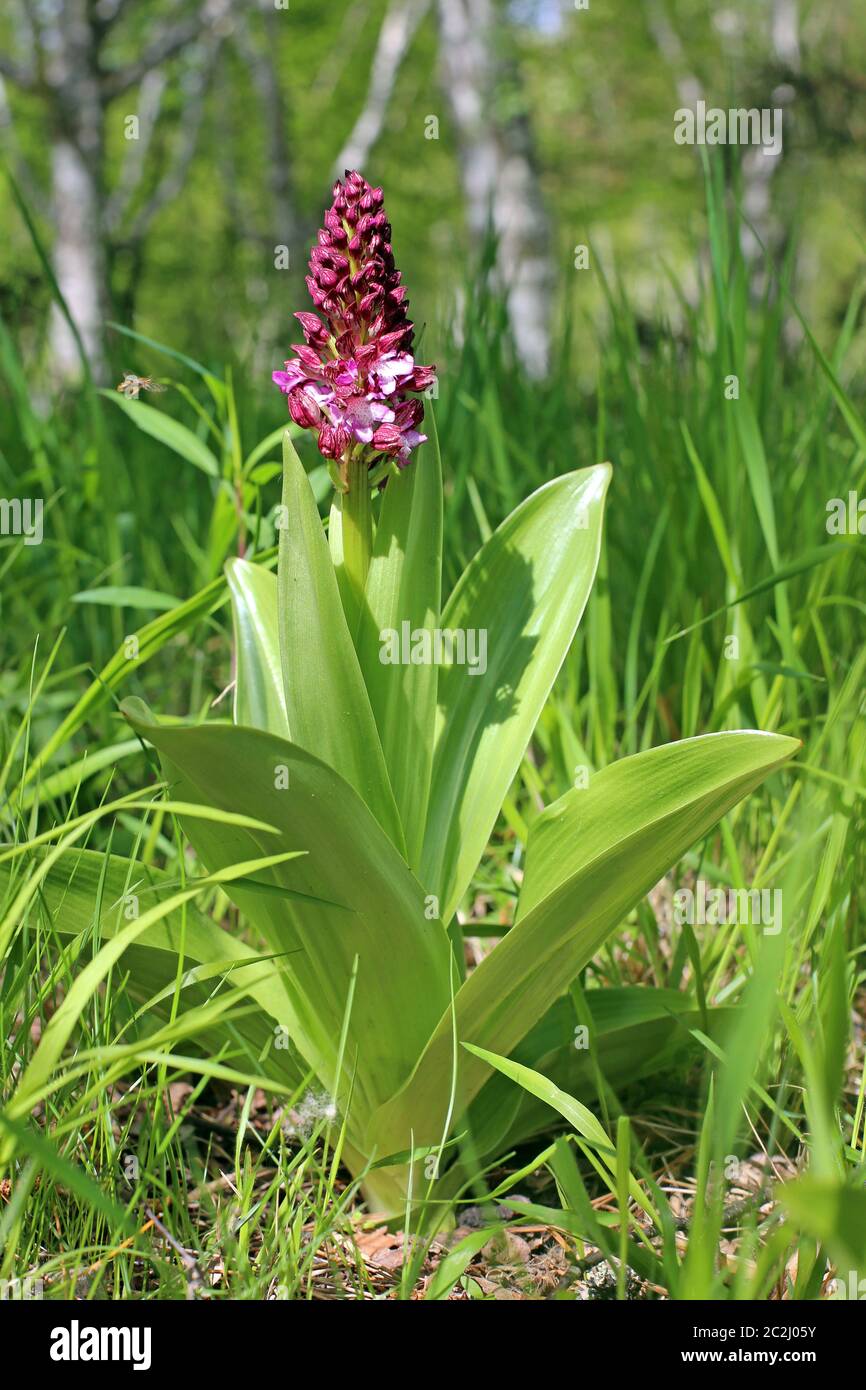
point(350, 377)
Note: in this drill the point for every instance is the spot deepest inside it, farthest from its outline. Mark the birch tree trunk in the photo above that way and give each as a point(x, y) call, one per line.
point(65, 67)
point(80, 264)
point(498, 172)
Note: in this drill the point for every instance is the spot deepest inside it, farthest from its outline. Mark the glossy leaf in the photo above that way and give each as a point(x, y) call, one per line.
point(403, 957)
point(326, 701)
point(403, 596)
point(259, 699)
point(525, 590)
point(591, 857)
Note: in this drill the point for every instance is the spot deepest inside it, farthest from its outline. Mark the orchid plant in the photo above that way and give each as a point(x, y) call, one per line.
point(364, 778)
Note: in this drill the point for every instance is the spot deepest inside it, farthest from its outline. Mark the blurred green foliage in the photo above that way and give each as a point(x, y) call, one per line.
point(600, 88)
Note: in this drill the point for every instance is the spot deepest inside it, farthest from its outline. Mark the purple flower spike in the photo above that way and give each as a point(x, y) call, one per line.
point(350, 377)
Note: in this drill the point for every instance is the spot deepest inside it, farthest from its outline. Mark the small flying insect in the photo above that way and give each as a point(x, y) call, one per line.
point(132, 384)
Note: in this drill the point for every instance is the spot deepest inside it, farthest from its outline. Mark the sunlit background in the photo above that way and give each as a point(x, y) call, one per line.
point(167, 150)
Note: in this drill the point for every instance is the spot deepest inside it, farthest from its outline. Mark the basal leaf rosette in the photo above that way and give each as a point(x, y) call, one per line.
point(383, 782)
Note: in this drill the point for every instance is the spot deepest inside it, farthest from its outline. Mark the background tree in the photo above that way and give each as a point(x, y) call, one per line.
point(555, 129)
point(498, 166)
point(69, 61)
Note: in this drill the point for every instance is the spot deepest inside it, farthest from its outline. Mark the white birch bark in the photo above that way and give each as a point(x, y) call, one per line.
point(498, 174)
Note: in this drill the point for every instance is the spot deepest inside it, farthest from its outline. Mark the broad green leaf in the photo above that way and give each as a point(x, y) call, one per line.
point(168, 431)
point(403, 958)
point(525, 592)
point(403, 596)
point(655, 798)
point(327, 704)
point(260, 700)
point(591, 857)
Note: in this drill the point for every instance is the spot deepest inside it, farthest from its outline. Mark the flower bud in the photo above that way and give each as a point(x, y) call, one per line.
point(303, 409)
point(387, 438)
point(314, 330)
point(334, 440)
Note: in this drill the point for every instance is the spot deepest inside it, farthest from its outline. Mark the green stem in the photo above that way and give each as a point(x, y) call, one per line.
point(357, 535)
